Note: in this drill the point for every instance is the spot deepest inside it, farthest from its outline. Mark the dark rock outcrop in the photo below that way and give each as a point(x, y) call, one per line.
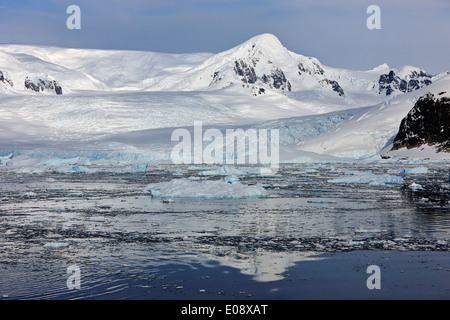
point(316, 69)
point(245, 71)
point(312, 68)
point(428, 122)
point(279, 80)
point(335, 86)
point(389, 83)
point(40, 85)
point(276, 79)
point(5, 80)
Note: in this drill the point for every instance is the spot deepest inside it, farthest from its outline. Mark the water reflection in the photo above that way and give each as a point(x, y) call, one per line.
point(264, 266)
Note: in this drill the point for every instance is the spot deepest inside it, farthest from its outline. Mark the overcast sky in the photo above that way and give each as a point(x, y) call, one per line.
point(412, 32)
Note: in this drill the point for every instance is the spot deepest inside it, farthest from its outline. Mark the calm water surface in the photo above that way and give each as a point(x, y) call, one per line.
point(308, 234)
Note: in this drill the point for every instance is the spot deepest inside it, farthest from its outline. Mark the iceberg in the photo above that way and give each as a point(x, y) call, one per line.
point(228, 188)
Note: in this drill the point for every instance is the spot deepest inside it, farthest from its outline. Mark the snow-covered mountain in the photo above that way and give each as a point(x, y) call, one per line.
point(59, 94)
point(371, 129)
point(262, 62)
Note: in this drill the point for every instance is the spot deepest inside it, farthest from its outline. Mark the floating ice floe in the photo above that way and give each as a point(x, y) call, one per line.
point(30, 170)
point(80, 161)
point(369, 178)
point(73, 169)
point(227, 170)
point(135, 168)
point(415, 186)
point(222, 171)
point(56, 245)
point(418, 170)
point(231, 179)
point(218, 189)
point(176, 172)
point(372, 231)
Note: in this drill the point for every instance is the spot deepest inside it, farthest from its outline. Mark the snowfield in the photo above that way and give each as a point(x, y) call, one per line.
point(124, 105)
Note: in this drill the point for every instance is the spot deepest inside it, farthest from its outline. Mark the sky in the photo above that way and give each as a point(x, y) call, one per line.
point(413, 32)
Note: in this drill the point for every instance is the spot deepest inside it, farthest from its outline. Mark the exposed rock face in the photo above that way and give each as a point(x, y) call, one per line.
point(4, 78)
point(390, 83)
point(335, 85)
point(276, 79)
point(245, 71)
point(428, 122)
point(315, 68)
point(40, 85)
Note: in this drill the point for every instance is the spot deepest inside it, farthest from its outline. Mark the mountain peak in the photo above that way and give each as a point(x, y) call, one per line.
point(264, 45)
point(265, 39)
point(382, 68)
point(264, 42)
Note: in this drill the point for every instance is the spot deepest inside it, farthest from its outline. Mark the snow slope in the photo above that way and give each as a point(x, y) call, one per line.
point(131, 101)
point(22, 65)
point(107, 69)
point(371, 130)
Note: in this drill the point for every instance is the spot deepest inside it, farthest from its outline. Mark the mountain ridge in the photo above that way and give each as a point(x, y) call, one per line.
point(72, 94)
point(259, 64)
